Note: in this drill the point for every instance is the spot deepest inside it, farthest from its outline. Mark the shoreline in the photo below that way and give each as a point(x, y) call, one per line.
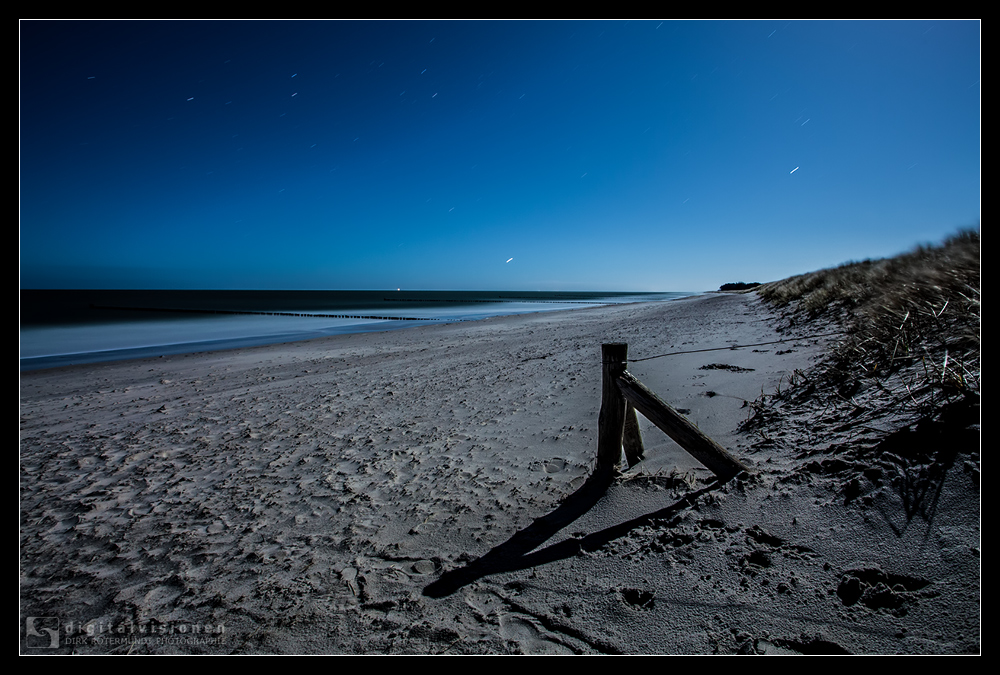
point(242, 326)
point(307, 495)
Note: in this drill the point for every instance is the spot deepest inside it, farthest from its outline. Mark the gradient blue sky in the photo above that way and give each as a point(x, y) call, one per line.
point(599, 155)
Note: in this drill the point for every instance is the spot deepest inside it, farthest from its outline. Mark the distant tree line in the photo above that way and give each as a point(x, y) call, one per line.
point(739, 286)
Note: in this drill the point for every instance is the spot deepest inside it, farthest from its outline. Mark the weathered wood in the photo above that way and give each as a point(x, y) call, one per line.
point(611, 420)
point(675, 425)
point(632, 437)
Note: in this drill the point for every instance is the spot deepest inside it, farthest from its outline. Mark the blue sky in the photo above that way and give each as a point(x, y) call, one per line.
point(598, 155)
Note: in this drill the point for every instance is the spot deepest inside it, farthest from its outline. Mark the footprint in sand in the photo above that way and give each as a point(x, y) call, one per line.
point(529, 638)
point(424, 567)
point(554, 465)
point(64, 525)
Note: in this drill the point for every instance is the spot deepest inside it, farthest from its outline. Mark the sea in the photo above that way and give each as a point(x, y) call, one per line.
point(68, 327)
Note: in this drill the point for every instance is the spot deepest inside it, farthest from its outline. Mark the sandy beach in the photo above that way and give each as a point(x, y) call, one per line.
point(425, 491)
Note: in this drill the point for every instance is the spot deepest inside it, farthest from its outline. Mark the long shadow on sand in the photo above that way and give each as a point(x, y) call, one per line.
point(515, 553)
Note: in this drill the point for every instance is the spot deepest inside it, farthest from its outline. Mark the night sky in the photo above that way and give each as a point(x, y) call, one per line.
point(558, 155)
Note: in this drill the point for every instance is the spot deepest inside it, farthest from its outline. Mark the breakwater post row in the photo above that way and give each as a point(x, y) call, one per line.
point(259, 313)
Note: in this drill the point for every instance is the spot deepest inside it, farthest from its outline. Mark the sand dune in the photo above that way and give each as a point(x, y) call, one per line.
point(426, 491)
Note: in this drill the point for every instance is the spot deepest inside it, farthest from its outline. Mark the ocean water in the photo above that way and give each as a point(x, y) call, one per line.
point(73, 327)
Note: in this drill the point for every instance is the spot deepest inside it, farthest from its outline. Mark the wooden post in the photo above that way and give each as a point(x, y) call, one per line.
point(675, 425)
point(611, 421)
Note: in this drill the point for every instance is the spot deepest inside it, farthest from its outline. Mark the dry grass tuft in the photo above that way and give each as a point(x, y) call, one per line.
point(918, 311)
point(898, 399)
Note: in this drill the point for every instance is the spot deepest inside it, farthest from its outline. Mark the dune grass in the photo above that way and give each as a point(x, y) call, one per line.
point(920, 308)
